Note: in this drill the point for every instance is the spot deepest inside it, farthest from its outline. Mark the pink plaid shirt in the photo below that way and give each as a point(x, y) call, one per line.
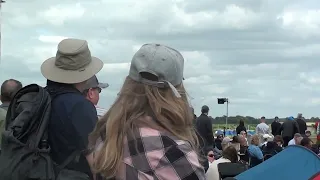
point(154, 155)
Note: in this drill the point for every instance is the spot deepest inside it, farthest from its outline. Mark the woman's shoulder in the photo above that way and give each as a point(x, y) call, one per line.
point(156, 139)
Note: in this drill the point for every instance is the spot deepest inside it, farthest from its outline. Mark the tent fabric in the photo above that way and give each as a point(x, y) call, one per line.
point(294, 162)
point(316, 176)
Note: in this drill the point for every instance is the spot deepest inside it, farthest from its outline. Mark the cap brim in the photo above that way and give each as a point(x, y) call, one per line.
point(51, 72)
point(103, 85)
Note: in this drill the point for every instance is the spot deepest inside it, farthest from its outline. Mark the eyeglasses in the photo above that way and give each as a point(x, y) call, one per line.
point(97, 88)
point(93, 88)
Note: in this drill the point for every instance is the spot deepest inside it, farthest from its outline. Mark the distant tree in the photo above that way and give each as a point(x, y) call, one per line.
point(250, 120)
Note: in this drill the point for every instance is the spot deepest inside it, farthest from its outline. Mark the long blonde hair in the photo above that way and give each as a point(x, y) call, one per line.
point(136, 101)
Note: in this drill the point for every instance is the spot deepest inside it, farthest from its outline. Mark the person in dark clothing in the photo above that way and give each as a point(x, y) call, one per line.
point(273, 147)
point(241, 127)
point(194, 116)
point(218, 141)
point(204, 129)
point(73, 117)
point(302, 124)
point(275, 126)
point(288, 128)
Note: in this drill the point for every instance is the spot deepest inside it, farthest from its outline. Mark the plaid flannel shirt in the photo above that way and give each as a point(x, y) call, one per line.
point(154, 155)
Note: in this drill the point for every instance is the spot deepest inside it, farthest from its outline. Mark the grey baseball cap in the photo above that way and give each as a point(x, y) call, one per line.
point(94, 83)
point(164, 62)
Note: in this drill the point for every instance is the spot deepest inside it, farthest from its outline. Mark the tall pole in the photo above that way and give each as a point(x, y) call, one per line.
point(227, 100)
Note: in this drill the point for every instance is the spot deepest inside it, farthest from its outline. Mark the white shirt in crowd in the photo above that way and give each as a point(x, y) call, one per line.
point(262, 128)
point(292, 142)
point(213, 173)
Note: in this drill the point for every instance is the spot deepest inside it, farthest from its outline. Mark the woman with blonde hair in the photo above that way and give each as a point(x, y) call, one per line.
point(148, 132)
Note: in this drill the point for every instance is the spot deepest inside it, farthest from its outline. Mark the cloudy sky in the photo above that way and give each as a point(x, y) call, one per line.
point(261, 54)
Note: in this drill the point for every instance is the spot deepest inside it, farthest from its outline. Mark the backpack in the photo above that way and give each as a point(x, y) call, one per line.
point(25, 149)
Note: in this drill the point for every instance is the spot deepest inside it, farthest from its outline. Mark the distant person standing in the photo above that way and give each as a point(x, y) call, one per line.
point(194, 116)
point(275, 126)
point(8, 89)
point(262, 128)
point(241, 127)
point(288, 128)
point(204, 129)
point(302, 124)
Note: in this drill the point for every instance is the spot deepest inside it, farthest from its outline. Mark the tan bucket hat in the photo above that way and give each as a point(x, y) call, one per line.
point(72, 64)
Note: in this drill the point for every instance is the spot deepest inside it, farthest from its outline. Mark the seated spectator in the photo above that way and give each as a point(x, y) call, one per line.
point(243, 153)
point(273, 147)
point(298, 141)
point(235, 143)
point(265, 139)
point(279, 140)
point(306, 142)
point(255, 153)
point(229, 154)
point(308, 133)
point(296, 138)
point(226, 142)
point(244, 134)
point(218, 142)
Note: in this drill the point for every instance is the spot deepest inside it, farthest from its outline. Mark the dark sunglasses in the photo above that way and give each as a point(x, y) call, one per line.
point(94, 88)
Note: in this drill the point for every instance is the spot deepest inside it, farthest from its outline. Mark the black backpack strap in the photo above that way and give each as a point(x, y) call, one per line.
point(69, 159)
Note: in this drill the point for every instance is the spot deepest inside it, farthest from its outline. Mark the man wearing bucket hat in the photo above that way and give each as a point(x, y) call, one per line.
point(73, 117)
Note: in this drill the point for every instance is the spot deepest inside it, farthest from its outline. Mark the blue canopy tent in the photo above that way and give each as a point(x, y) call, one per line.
point(294, 162)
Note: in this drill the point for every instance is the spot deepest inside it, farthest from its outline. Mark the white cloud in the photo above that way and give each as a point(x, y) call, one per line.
point(59, 14)
point(51, 39)
point(263, 56)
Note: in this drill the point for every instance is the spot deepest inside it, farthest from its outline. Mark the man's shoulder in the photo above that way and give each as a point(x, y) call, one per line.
point(73, 101)
point(204, 118)
point(71, 97)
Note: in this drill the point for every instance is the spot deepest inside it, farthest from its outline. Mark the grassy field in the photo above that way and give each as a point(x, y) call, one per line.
point(232, 126)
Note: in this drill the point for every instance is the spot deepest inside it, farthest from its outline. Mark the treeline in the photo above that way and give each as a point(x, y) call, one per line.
point(250, 120)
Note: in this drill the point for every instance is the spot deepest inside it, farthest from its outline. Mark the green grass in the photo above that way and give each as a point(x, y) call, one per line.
point(232, 126)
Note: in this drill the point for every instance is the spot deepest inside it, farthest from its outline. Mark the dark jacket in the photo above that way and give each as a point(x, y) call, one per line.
point(275, 128)
point(241, 128)
point(302, 126)
point(289, 128)
point(204, 129)
point(271, 148)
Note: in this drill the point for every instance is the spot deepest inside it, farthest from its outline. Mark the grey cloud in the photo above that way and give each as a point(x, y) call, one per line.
point(257, 64)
